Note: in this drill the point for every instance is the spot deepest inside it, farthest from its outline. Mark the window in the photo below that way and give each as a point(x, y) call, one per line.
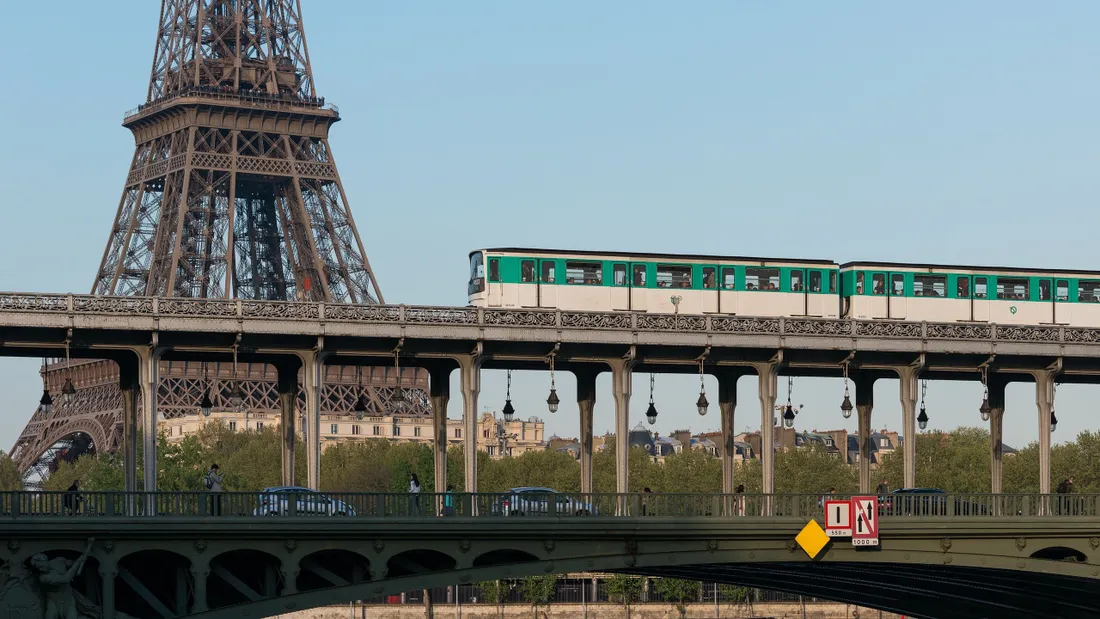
point(898, 284)
point(377, 430)
point(729, 278)
point(639, 276)
point(669, 276)
point(1044, 290)
point(878, 283)
point(232, 426)
point(335, 429)
point(859, 282)
point(494, 269)
point(485, 434)
point(980, 288)
point(259, 425)
point(815, 281)
point(458, 433)
point(1061, 290)
point(762, 279)
point(1013, 288)
point(477, 273)
point(416, 431)
point(796, 281)
point(832, 282)
point(962, 287)
point(490, 450)
point(527, 271)
point(710, 278)
point(884, 443)
point(548, 272)
point(618, 274)
point(356, 430)
point(929, 286)
point(1088, 291)
point(590, 273)
point(396, 430)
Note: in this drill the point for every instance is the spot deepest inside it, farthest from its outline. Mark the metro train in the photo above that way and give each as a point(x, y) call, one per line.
point(731, 285)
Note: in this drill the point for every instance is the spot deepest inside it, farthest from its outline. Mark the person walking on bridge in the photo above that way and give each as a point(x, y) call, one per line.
point(414, 491)
point(213, 483)
point(883, 488)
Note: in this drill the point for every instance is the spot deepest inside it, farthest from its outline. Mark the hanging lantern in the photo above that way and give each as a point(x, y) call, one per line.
point(701, 405)
point(509, 410)
point(651, 412)
point(206, 406)
point(553, 401)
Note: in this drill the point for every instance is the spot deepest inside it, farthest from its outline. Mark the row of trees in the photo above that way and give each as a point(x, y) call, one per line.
point(956, 462)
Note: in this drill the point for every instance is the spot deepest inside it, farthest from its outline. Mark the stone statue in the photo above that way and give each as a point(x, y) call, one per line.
point(55, 577)
point(45, 591)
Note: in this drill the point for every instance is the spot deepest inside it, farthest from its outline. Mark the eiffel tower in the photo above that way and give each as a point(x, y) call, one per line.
point(232, 192)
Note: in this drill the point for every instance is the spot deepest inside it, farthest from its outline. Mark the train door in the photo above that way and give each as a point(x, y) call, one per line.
point(897, 296)
point(727, 287)
point(879, 301)
point(548, 283)
point(1046, 297)
point(528, 288)
point(638, 283)
point(815, 299)
point(496, 286)
point(710, 290)
point(1062, 306)
point(980, 302)
point(620, 287)
point(798, 286)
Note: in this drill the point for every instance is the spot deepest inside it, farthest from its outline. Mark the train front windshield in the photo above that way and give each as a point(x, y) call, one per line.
point(477, 273)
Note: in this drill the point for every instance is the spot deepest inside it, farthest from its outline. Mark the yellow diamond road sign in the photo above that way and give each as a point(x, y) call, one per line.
point(812, 539)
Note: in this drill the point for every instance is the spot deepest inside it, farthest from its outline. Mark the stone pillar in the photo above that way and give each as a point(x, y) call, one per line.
point(996, 386)
point(621, 388)
point(1044, 400)
point(148, 371)
point(200, 571)
point(130, 385)
point(440, 391)
point(108, 571)
point(470, 369)
point(586, 402)
point(865, 401)
point(910, 390)
point(313, 371)
point(768, 379)
point(288, 422)
point(727, 405)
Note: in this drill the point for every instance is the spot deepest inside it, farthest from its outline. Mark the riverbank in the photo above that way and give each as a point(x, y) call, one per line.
point(776, 610)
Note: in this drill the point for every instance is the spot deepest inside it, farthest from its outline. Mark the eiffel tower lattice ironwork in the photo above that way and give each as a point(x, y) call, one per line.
point(232, 192)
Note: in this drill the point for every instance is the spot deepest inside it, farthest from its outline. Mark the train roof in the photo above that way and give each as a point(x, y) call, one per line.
point(962, 267)
point(627, 254)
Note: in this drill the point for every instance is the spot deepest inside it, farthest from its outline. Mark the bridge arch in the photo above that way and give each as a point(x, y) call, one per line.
point(332, 568)
point(1060, 553)
point(505, 556)
point(243, 576)
point(419, 561)
point(141, 573)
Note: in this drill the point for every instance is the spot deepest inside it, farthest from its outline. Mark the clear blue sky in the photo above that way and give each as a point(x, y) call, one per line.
point(937, 132)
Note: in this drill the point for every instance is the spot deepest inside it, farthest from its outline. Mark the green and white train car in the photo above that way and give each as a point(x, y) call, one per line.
point(658, 283)
point(937, 293)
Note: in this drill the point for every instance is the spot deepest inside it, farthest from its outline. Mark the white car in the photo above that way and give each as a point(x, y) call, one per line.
point(298, 501)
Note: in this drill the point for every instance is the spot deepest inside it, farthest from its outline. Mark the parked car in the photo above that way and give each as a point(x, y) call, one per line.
point(533, 501)
point(279, 501)
point(929, 502)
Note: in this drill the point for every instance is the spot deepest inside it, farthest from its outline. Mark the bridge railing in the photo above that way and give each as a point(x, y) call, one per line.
point(21, 505)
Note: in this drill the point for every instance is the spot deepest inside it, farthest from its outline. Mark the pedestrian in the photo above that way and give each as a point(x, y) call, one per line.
point(414, 490)
point(72, 498)
point(449, 501)
point(740, 499)
point(883, 488)
point(645, 491)
point(1066, 487)
point(213, 483)
point(827, 497)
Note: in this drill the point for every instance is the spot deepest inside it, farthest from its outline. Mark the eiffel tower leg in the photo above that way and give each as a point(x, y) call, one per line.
point(288, 400)
point(130, 385)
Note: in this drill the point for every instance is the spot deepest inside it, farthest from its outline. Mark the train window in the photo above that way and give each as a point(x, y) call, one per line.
point(929, 286)
point(1044, 290)
point(527, 271)
point(815, 281)
point(1013, 288)
point(796, 281)
point(1061, 290)
point(639, 276)
point(477, 273)
point(494, 269)
point(669, 276)
point(859, 282)
point(980, 288)
point(762, 279)
point(1088, 291)
point(898, 281)
point(618, 274)
point(548, 272)
point(729, 279)
point(710, 278)
point(590, 273)
point(832, 282)
point(878, 283)
point(962, 287)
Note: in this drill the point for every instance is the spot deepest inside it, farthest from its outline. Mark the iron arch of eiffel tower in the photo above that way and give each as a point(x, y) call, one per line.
point(232, 192)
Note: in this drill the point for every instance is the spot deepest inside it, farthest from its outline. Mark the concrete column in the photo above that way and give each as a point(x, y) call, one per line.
point(130, 385)
point(621, 388)
point(200, 571)
point(910, 389)
point(586, 402)
point(108, 571)
point(440, 391)
point(865, 401)
point(727, 405)
point(1044, 400)
point(996, 386)
point(148, 371)
point(313, 368)
point(768, 379)
point(288, 422)
point(470, 369)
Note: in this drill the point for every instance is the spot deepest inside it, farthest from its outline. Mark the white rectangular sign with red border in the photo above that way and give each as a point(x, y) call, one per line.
point(838, 518)
point(864, 521)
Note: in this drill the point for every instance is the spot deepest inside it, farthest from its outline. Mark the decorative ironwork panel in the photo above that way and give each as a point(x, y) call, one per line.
point(363, 313)
point(520, 318)
point(744, 325)
point(34, 302)
point(113, 305)
point(960, 332)
point(671, 322)
point(298, 311)
point(186, 307)
point(596, 320)
point(1028, 334)
point(441, 316)
point(817, 327)
point(889, 329)
point(1082, 336)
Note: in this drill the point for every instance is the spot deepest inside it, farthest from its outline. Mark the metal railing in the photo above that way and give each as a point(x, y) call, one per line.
point(254, 99)
point(28, 505)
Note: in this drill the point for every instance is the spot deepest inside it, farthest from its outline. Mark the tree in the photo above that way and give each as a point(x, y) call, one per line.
point(678, 591)
point(625, 590)
point(495, 592)
point(539, 591)
point(10, 481)
point(735, 595)
point(957, 461)
point(812, 470)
